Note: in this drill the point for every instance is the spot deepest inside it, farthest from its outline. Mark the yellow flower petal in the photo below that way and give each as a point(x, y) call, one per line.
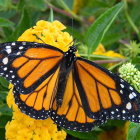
point(58, 25)
point(100, 50)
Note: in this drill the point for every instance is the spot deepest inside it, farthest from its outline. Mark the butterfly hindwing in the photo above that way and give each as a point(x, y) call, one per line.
point(104, 94)
point(38, 103)
point(24, 64)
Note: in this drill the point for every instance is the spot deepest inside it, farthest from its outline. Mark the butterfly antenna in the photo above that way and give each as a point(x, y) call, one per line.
point(72, 36)
point(74, 40)
point(37, 37)
point(72, 27)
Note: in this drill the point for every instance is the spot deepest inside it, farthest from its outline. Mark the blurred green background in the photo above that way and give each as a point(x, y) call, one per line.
point(122, 37)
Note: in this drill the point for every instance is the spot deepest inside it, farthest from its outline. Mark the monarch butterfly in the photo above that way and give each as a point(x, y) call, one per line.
point(76, 93)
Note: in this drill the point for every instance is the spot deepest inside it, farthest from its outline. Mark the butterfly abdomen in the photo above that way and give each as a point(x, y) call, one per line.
point(65, 68)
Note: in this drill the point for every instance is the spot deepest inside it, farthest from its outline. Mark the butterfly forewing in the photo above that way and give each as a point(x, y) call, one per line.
point(28, 64)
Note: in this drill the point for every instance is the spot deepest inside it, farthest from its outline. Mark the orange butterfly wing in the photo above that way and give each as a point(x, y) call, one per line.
point(103, 94)
point(71, 114)
point(38, 103)
point(28, 64)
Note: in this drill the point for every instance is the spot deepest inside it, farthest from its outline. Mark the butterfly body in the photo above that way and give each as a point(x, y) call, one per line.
point(75, 92)
point(65, 67)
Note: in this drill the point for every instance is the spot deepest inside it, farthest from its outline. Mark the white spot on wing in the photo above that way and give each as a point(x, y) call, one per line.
point(21, 47)
point(121, 91)
point(8, 51)
point(128, 106)
point(13, 76)
point(8, 47)
point(134, 94)
point(5, 69)
point(18, 53)
point(13, 43)
point(122, 85)
point(24, 43)
point(130, 88)
point(131, 96)
point(5, 60)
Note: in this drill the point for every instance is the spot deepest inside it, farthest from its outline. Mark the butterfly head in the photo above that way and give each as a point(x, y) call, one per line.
point(70, 55)
point(71, 51)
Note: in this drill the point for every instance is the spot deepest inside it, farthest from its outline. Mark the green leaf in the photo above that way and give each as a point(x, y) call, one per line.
point(136, 62)
point(113, 123)
point(24, 23)
point(5, 110)
point(3, 120)
point(86, 135)
point(2, 2)
point(5, 22)
point(8, 13)
point(69, 3)
point(4, 82)
point(5, 4)
point(21, 4)
point(133, 132)
point(2, 133)
point(7, 33)
point(75, 33)
point(134, 12)
point(112, 38)
point(37, 4)
point(97, 30)
point(3, 95)
point(62, 4)
point(51, 16)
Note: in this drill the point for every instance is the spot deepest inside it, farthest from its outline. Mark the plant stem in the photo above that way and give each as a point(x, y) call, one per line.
point(66, 12)
point(109, 61)
point(130, 19)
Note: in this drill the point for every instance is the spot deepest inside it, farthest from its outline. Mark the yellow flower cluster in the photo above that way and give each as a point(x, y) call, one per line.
point(50, 33)
point(22, 127)
point(101, 51)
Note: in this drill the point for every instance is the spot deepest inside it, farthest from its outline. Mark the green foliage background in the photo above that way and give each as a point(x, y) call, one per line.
point(114, 23)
